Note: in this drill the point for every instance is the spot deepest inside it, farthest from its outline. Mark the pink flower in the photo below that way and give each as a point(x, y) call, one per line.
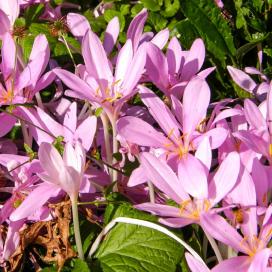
point(190, 189)
point(66, 172)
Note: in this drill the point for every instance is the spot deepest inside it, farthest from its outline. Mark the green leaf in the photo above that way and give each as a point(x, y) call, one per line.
point(151, 5)
point(170, 8)
point(98, 111)
point(212, 27)
point(80, 266)
point(133, 248)
point(124, 9)
point(157, 21)
point(26, 44)
point(186, 32)
point(244, 49)
point(33, 13)
point(58, 144)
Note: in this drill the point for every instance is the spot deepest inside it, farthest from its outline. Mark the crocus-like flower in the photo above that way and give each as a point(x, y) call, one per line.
point(189, 118)
point(95, 81)
point(66, 172)
point(244, 81)
point(171, 73)
point(21, 83)
point(9, 11)
point(192, 180)
point(72, 129)
point(253, 243)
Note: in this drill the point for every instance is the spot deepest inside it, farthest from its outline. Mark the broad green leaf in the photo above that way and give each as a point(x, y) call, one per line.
point(244, 49)
point(33, 13)
point(211, 25)
point(80, 266)
point(133, 248)
point(26, 44)
point(186, 33)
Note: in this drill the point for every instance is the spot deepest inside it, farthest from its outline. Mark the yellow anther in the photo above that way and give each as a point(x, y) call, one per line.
point(270, 150)
point(183, 205)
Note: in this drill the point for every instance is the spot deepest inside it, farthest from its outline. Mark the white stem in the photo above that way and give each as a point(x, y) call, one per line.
point(144, 224)
point(214, 247)
point(39, 100)
point(76, 229)
point(105, 122)
point(27, 137)
point(114, 148)
point(151, 192)
point(83, 110)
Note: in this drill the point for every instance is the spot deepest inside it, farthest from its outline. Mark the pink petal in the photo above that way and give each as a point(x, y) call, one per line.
point(136, 27)
point(157, 67)
point(51, 161)
point(161, 38)
point(176, 222)
point(194, 264)
point(36, 199)
point(78, 25)
point(87, 127)
point(241, 264)
point(5, 24)
point(222, 231)
point(225, 177)
point(159, 209)
point(260, 261)
point(204, 153)
point(196, 99)
point(75, 83)
point(95, 58)
point(111, 34)
point(254, 116)
point(137, 177)
point(160, 113)
point(163, 177)
point(194, 60)
point(8, 52)
point(135, 70)
point(7, 122)
point(137, 131)
point(174, 56)
point(193, 177)
point(124, 59)
point(242, 79)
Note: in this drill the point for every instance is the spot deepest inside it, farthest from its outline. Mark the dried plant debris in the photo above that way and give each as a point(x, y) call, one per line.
point(52, 236)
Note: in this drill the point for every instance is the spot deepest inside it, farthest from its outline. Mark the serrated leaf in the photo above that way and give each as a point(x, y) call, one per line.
point(133, 248)
point(212, 27)
point(170, 8)
point(151, 5)
point(157, 21)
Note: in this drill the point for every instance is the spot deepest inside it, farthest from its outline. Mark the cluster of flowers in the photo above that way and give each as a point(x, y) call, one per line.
point(211, 160)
